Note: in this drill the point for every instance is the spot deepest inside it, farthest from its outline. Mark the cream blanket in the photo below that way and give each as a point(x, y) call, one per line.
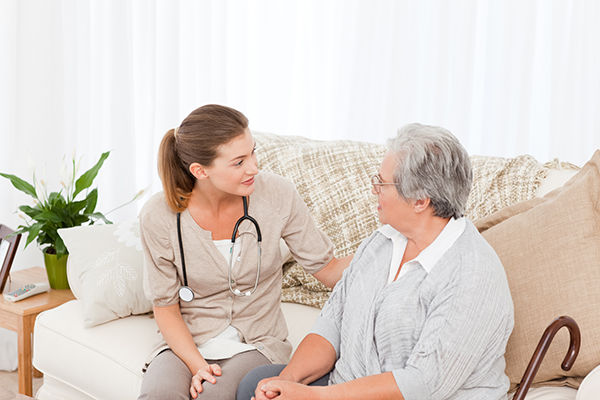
point(333, 178)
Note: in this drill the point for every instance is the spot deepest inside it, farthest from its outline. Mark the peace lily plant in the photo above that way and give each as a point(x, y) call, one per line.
point(72, 205)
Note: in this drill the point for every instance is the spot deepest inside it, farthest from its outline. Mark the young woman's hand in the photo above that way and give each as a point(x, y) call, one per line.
point(206, 373)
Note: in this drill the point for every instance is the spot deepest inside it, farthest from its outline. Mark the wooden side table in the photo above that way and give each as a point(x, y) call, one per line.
point(20, 317)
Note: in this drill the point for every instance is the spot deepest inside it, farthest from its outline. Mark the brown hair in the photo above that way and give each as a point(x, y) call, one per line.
point(196, 140)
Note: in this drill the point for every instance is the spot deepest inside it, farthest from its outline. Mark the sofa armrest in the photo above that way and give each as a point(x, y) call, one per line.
point(590, 386)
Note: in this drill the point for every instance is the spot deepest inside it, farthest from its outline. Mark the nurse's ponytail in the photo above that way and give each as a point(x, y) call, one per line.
point(177, 182)
point(195, 141)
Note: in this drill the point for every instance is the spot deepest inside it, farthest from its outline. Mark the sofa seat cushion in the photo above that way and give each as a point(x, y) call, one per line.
point(102, 362)
point(87, 358)
point(550, 393)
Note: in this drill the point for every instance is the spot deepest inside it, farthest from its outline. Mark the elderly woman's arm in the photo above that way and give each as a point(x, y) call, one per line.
point(376, 387)
point(314, 358)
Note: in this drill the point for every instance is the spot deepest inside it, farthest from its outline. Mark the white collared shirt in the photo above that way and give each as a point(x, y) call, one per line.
point(429, 256)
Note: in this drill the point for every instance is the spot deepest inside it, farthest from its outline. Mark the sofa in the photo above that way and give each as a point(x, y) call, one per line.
point(96, 346)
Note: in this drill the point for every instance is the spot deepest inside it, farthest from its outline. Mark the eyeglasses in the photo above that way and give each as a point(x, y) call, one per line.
point(377, 183)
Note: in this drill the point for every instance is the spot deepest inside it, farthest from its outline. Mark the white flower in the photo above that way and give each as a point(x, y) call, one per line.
point(40, 189)
point(67, 174)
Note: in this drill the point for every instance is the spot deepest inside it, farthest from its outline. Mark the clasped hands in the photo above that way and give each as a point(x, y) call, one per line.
point(270, 388)
point(280, 389)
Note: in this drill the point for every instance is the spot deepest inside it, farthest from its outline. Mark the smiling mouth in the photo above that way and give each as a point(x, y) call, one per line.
point(249, 181)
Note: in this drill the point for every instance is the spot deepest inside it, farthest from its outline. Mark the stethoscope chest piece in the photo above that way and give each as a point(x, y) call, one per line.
point(186, 294)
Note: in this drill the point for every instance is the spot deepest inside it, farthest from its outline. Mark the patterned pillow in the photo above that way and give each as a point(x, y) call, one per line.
point(104, 269)
point(333, 178)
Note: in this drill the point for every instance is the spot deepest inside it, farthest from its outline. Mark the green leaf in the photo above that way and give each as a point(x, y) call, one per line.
point(86, 180)
point(48, 215)
point(75, 207)
point(98, 215)
point(31, 212)
point(60, 247)
point(91, 200)
point(21, 185)
point(53, 198)
point(33, 232)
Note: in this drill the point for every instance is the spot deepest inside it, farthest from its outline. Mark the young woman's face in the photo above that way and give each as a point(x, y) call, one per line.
point(234, 168)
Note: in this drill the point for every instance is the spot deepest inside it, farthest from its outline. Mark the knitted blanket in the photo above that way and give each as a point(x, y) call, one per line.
point(333, 178)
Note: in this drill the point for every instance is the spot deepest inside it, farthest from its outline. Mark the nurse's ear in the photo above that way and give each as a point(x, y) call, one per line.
point(198, 171)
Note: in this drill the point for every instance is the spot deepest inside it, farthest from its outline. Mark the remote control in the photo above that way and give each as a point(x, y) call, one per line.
point(27, 291)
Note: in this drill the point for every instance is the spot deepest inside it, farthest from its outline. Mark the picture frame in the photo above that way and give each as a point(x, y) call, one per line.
point(8, 248)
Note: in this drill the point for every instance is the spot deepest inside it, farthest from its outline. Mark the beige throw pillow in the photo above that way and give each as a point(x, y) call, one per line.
point(550, 248)
point(104, 269)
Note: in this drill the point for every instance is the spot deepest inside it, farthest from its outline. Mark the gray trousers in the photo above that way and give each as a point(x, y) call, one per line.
point(167, 377)
point(248, 384)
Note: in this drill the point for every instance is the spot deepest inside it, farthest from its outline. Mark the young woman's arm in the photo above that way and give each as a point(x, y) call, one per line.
point(180, 341)
point(332, 272)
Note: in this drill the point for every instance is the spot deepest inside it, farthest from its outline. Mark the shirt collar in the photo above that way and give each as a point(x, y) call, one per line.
point(429, 256)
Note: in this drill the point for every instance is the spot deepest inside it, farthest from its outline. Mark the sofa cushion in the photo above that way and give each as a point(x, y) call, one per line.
point(550, 248)
point(104, 269)
point(104, 362)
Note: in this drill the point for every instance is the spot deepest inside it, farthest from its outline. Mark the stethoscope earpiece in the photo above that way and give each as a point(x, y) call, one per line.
point(186, 294)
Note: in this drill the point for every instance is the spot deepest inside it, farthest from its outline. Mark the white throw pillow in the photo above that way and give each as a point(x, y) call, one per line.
point(105, 270)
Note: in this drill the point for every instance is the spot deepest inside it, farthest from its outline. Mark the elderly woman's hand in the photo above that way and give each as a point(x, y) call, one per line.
point(261, 394)
point(274, 388)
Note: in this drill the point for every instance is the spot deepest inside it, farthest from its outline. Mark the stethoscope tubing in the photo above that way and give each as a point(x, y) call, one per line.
point(187, 294)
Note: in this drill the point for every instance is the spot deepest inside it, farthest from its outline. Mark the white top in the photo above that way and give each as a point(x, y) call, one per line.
point(429, 256)
point(229, 342)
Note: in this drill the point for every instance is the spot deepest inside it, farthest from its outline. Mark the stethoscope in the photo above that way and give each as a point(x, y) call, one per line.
point(186, 294)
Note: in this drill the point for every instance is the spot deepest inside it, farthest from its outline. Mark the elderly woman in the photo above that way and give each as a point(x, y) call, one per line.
point(424, 310)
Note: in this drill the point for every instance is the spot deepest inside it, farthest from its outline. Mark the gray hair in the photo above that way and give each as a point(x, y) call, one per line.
point(432, 163)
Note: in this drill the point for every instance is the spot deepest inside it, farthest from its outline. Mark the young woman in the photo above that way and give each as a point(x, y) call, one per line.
point(212, 258)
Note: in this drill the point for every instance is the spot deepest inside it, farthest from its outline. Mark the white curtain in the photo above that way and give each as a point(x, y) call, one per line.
point(506, 77)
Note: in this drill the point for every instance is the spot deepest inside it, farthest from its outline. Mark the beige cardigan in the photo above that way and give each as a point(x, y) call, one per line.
point(280, 213)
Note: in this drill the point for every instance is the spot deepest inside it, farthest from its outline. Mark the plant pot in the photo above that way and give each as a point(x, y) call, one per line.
point(56, 268)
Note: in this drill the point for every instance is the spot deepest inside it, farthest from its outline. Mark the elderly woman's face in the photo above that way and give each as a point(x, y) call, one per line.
point(391, 207)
